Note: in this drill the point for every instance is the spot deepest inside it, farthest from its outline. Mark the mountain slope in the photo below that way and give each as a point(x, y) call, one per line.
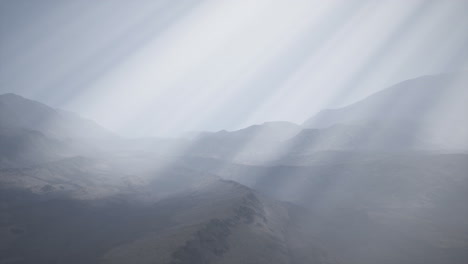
point(216, 222)
point(372, 207)
point(23, 147)
point(422, 114)
point(32, 133)
point(253, 141)
point(17, 112)
point(429, 108)
point(268, 131)
point(371, 136)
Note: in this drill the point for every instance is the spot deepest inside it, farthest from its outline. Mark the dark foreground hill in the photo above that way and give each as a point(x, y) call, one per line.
point(216, 221)
point(370, 207)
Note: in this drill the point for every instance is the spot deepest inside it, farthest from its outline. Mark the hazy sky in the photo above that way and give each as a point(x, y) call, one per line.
point(164, 67)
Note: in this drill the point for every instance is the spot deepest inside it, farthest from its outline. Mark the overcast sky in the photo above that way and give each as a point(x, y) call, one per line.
point(160, 68)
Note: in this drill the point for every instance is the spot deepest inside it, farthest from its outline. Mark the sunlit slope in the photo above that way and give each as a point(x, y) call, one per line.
point(422, 114)
point(430, 109)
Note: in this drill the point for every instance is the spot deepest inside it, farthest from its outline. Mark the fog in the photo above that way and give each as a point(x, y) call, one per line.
point(142, 68)
point(269, 132)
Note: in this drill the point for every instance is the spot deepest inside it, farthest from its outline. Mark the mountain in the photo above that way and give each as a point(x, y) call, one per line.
point(214, 221)
point(268, 132)
point(381, 181)
point(76, 177)
point(405, 208)
point(353, 137)
point(21, 147)
point(421, 114)
point(428, 109)
point(370, 207)
point(17, 112)
point(371, 136)
point(33, 133)
point(229, 223)
point(253, 141)
point(255, 136)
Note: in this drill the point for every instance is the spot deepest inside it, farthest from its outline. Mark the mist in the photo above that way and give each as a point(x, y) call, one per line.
point(187, 132)
point(143, 68)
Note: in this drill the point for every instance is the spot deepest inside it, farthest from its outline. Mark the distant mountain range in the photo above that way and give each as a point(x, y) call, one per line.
point(426, 113)
point(383, 180)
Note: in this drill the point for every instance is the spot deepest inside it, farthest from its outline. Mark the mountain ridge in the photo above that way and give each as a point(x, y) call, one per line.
point(22, 113)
